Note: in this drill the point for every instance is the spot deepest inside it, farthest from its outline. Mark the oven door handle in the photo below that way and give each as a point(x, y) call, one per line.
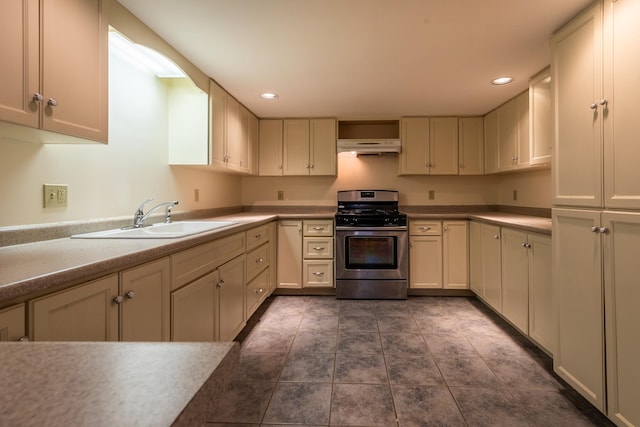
point(390, 228)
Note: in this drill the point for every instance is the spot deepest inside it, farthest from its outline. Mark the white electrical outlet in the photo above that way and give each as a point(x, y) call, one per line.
point(55, 195)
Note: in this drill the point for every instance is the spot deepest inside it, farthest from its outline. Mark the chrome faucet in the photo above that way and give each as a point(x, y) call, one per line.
point(140, 216)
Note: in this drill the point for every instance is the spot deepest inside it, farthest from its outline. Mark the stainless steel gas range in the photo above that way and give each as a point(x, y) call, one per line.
point(371, 246)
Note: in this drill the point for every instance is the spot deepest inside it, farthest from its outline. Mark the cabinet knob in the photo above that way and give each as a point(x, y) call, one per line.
point(118, 299)
point(594, 229)
point(603, 230)
point(37, 97)
point(524, 244)
point(52, 102)
point(259, 291)
point(593, 106)
point(311, 166)
point(220, 283)
point(258, 236)
point(259, 260)
point(23, 338)
point(130, 294)
point(604, 102)
point(445, 228)
point(495, 236)
point(461, 165)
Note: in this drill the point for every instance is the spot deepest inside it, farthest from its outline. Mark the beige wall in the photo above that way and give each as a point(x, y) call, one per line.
point(109, 180)
point(534, 188)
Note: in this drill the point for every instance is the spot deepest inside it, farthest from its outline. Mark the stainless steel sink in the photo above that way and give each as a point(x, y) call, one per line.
point(158, 231)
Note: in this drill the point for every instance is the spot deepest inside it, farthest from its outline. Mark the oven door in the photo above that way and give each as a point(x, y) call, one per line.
point(378, 253)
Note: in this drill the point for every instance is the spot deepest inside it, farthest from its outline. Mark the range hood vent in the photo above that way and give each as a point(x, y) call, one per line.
point(369, 136)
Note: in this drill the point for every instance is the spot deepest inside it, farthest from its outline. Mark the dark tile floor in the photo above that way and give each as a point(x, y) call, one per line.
point(445, 361)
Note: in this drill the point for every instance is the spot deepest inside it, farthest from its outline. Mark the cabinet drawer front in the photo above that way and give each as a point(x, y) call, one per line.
point(318, 247)
point(196, 262)
point(257, 260)
point(323, 227)
point(257, 236)
point(425, 228)
point(317, 274)
point(257, 290)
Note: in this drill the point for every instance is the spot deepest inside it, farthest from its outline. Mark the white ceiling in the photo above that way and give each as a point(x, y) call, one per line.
point(362, 58)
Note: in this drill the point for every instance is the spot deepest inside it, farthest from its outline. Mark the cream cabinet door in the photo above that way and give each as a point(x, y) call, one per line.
point(254, 134)
point(455, 255)
point(578, 354)
point(74, 68)
point(193, 310)
point(491, 266)
point(471, 145)
point(19, 61)
point(257, 291)
point(576, 64)
point(270, 148)
point(443, 146)
point(507, 135)
point(145, 314)
point(621, 87)
point(289, 254)
point(322, 149)
point(12, 323)
point(475, 258)
point(273, 257)
point(231, 299)
point(542, 327)
point(540, 115)
point(237, 144)
point(522, 154)
point(295, 151)
point(217, 125)
point(515, 278)
point(83, 313)
point(425, 262)
point(622, 294)
point(414, 156)
point(490, 123)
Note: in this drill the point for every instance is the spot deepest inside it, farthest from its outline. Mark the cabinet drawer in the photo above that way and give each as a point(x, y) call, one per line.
point(317, 273)
point(318, 247)
point(257, 291)
point(322, 227)
point(425, 228)
point(196, 262)
point(257, 260)
point(257, 236)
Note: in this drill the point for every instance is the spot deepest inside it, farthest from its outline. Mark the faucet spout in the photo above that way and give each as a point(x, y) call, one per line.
point(139, 216)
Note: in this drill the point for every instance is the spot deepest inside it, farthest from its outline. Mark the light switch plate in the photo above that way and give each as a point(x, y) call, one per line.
point(55, 195)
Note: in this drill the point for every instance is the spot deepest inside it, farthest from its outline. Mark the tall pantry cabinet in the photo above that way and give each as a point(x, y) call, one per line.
point(596, 197)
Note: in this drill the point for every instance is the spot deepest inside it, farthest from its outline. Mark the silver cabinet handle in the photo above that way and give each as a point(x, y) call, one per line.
point(318, 228)
point(130, 294)
point(524, 244)
point(593, 106)
point(604, 102)
point(311, 166)
point(259, 291)
point(318, 248)
point(220, 283)
point(603, 230)
point(495, 236)
point(37, 97)
point(318, 273)
point(445, 228)
point(258, 236)
point(424, 228)
point(118, 299)
point(52, 102)
point(259, 260)
point(595, 229)
point(23, 338)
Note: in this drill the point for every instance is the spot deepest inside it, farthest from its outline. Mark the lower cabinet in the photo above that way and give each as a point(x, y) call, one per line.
point(193, 315)
point(305, 254)
point(12, 323)
point(455, 254)
point(526, 284)
point(486, 278)
point(83, 313)
point(131, 306)
point(231, 299)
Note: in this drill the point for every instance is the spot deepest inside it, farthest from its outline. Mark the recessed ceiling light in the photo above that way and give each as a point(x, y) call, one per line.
point(502, 80)
point(269, 95)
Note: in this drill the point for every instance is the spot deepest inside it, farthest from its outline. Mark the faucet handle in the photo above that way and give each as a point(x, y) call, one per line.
point(142, 205)
point(167, 211)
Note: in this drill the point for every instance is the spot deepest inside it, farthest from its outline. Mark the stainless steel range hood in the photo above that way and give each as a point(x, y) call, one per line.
point(369, 136)
point(369, 146)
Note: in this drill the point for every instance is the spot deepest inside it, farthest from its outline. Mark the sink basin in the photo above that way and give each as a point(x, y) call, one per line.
point(158, 231)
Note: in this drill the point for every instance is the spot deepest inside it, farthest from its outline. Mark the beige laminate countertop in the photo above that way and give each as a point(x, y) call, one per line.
point(102, 384)
point(33, 269)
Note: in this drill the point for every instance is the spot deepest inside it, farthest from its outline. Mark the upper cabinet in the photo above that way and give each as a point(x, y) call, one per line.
point(540, 129)
point(513, 133)
point(491, 142)
point(441, 146)
point(297, 147)
point(596, 125)
point(54, 63)
point(231, 128)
